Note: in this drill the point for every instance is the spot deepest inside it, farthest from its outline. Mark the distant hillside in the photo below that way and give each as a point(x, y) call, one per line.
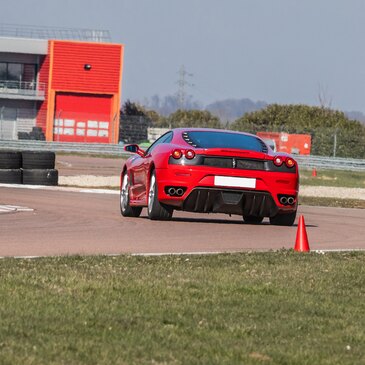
point(232, 109)
point(166, 105)
point(353, 115)
point(227, 110)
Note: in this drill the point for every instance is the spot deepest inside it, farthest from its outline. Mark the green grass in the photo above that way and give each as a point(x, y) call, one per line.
point(250, 308)
point(349, 179)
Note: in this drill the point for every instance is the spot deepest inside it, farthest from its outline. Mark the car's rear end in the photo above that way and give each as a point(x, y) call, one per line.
point(209, 173)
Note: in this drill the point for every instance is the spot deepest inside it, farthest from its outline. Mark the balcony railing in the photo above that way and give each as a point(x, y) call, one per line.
point(39, 32)
point(18, 89)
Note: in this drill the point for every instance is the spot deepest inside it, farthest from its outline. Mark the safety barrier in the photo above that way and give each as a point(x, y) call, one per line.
point(28, 167)
point(320, 162)
point(332, 163)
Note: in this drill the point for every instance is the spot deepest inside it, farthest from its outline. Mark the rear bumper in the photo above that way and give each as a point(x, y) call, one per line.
point(202, 195)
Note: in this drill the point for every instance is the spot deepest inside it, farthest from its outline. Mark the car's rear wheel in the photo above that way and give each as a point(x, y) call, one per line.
point(156, 210)
point(286, 219)
point(125, 208)
point(250, 219)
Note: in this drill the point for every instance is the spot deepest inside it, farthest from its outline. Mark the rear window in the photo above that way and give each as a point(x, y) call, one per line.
point(208, 139)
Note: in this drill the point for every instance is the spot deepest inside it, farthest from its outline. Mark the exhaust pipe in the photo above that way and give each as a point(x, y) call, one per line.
point(172, 191)
point(175, 190)
point(290, 200)
point(283, 200)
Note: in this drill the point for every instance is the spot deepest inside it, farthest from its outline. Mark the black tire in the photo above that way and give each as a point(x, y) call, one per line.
point(250, 219)
point(10, 160)
point(40, 177)
point(126, 210)
point(38, 160)
point(156, 210)
point(11, 176)
point(287, 219)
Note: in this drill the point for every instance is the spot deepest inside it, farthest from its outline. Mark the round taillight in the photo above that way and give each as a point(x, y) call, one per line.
point(176, 154)
point(289, 162)
point(189, 154)
point(278, 161)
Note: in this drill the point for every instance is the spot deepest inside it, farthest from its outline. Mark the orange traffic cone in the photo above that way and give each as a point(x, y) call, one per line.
point(314, 172)
point(301, 242)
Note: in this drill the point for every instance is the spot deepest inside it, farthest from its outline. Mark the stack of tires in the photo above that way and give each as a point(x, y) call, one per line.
point(39, 168)
point(28, 167)
point(10, 167)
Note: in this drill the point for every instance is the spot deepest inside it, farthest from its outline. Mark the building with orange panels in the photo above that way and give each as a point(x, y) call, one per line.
point(65, 90)
point(299, 144)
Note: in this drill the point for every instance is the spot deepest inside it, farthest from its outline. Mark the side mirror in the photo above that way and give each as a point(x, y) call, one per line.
point(134, 148)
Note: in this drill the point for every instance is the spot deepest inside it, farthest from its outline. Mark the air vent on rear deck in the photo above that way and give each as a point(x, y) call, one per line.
point(218, 162)
point(185, 135)
point(264, 147)
point(250, 164)
point(234, 163)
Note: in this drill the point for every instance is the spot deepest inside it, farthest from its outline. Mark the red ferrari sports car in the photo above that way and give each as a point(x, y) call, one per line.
point(210, 171)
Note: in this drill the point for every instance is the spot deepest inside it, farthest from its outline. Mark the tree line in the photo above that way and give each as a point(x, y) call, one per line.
point(332, 132)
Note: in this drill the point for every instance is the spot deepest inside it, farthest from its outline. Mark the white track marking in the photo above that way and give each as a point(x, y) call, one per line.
point(339, 250)
point(24, 257)
point(234, 252)
point(182, 253)
point(19, 208)
point(13, 209)
point(314, 191)
point(60, 188)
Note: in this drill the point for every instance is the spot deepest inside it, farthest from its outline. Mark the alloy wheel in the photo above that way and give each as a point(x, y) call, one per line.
point(124, 193)
point(151, 193)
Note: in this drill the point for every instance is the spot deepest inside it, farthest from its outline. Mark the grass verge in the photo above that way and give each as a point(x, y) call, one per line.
point(249, 308)
point(347, 179)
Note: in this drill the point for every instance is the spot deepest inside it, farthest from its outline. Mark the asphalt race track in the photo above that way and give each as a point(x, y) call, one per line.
point(63, 223)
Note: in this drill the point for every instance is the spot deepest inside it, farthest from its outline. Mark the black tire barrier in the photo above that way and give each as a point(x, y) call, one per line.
point(36, 134)
point(11, 176)
point(40, 177)
point(10, 160)
point(38, 160)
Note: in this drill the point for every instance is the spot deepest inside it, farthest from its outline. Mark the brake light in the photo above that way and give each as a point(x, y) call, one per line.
point(189, 154)
point(278, 160)
point(176, 154)
point(289, 162)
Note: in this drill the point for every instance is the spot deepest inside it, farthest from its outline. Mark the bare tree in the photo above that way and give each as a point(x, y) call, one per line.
point(325, 101)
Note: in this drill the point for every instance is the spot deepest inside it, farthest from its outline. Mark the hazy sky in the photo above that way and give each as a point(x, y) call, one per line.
point(282, 51)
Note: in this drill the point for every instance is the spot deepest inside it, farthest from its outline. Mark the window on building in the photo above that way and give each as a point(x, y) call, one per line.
point(29, 73)
point(14, 73)
point(3, 68)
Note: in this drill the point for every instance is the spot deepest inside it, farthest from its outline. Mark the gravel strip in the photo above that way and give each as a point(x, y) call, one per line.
point(332, 192)
point(305, 190)
point(89, 181)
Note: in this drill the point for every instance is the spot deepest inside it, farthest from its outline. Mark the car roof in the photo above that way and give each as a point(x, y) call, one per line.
point(190, 129)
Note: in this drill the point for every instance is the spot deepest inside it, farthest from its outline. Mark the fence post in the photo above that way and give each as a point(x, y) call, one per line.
point(335, 143)
point(1, 120)
point(15, 125)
